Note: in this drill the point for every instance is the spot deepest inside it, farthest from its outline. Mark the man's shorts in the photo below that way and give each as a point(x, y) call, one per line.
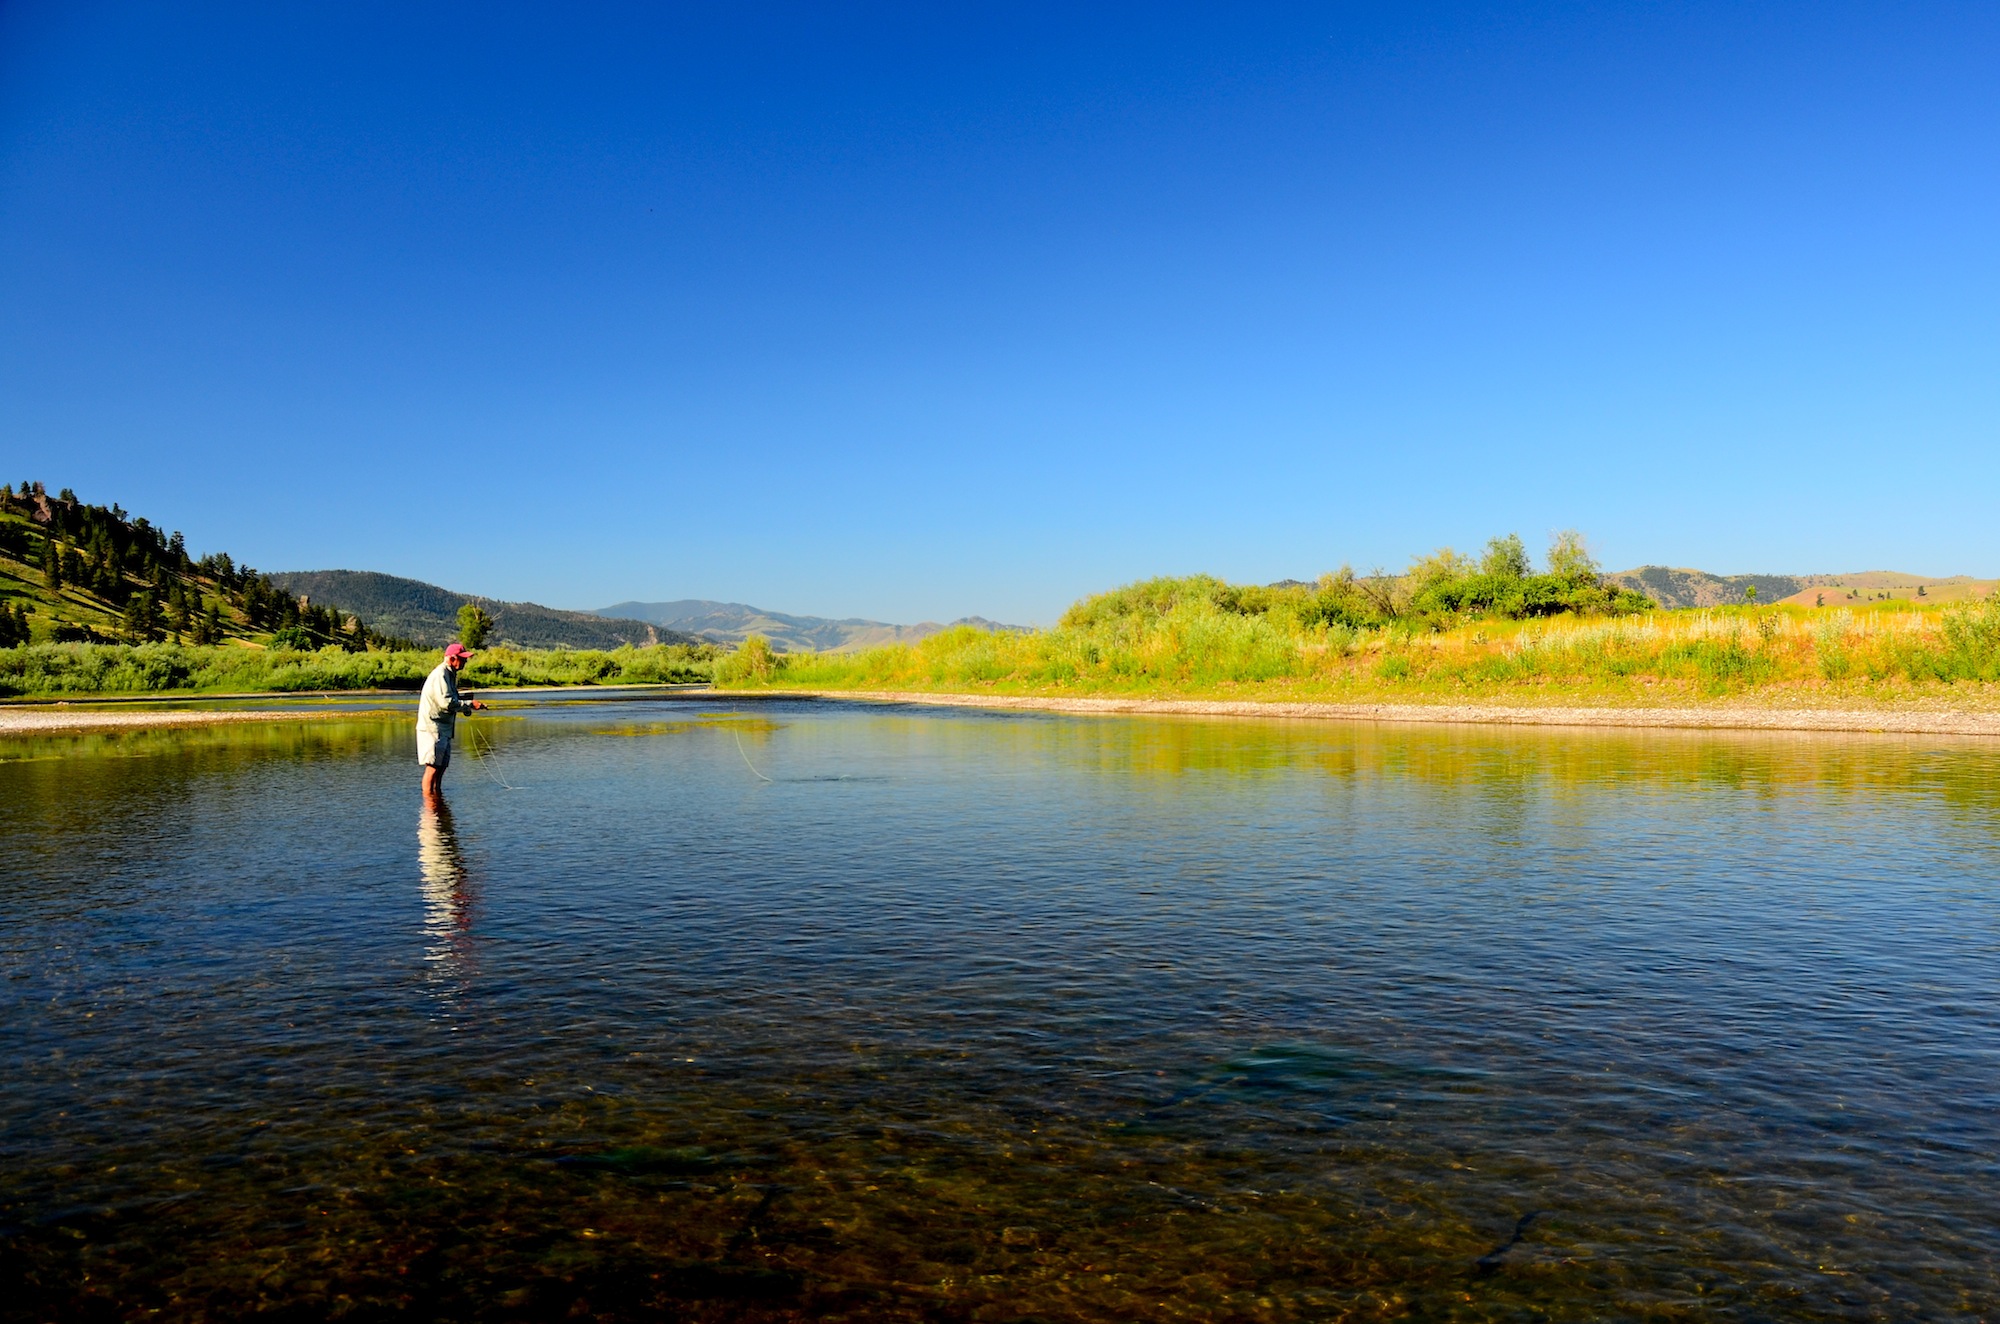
point(433, 751)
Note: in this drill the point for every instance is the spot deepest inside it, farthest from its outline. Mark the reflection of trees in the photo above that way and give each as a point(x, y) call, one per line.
point(448, 899)
point(1506, 770)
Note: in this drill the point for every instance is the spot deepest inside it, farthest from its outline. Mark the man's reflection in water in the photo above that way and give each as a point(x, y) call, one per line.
point(448, 904)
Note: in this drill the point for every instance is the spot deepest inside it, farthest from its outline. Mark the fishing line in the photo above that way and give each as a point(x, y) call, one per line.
point(488, 758)
point(746, 757)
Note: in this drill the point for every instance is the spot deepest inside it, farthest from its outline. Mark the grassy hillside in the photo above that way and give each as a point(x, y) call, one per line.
point(428, 615)
point(1889, 586)
point(1673, 587)
point(80, 573)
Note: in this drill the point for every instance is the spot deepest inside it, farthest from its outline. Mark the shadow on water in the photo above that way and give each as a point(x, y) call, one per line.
point(1030, 1017)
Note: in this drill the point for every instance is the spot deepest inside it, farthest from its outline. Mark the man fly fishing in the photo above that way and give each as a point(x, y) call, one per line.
point(437, 717)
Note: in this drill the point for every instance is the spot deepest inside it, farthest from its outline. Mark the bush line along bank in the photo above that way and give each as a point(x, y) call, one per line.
point(1449, 627)
point(1191, 651)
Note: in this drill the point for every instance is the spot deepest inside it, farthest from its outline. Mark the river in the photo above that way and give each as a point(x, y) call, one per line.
point(814, 1010)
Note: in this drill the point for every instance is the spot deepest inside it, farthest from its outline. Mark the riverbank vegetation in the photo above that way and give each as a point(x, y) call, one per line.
point(1194, 649)
point(1449, 628)
point(72, 669)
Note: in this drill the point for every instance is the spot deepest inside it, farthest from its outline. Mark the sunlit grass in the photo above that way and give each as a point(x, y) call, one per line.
point(1191, 647)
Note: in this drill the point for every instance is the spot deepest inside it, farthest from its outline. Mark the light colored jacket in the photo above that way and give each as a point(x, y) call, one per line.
point(438, 709)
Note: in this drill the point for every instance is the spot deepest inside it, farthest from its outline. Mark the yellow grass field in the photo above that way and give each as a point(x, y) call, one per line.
point(1883, 653)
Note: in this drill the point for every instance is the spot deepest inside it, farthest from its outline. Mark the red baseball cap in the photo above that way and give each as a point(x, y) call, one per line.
point(456, 650)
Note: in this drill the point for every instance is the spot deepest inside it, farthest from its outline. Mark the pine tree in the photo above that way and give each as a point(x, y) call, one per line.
point(52, 565)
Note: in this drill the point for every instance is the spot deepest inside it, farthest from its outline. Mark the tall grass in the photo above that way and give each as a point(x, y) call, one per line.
point(1191, 637)
point(50, 670)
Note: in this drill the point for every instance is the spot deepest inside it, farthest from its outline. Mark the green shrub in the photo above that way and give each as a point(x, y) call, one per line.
point(753, 662)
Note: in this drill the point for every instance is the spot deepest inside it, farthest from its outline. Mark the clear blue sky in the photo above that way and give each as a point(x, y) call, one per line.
point(920, 311)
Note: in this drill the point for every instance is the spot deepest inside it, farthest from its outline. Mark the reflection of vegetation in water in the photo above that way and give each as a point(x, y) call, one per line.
point(742, 723)
point(319, 736)
point(1507, 766)
point(59, 669)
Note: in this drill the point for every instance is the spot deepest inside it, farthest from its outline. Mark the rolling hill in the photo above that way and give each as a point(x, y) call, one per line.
point(729, 622)
point(1676, 587)
point(428, 614)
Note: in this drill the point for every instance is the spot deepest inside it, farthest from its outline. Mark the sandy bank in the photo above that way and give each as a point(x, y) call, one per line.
point(1914, 721)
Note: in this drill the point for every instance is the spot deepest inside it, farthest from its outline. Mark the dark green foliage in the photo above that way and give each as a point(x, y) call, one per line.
point(1503, 584)
point(142, 618)
point(473, 625)
point(208, 627)
point(13, 625)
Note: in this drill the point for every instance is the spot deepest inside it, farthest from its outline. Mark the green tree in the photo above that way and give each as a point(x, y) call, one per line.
point(1440, 567)
point(1506, 558)
point(142, 618)
point(1570, 558)
point(52, 567)
point(473, 625)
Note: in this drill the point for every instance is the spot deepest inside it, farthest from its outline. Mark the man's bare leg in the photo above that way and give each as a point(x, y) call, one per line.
point(433, 781)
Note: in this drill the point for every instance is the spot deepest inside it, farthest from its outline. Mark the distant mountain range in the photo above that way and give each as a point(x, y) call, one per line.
point(1673, 587)
point(428, 615)
point(729, 622)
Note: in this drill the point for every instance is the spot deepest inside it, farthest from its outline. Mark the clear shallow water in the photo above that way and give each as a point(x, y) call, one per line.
point(998, 1017)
